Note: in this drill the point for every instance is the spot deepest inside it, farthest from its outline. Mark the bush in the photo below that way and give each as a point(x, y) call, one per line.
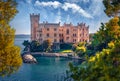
point(65, 46)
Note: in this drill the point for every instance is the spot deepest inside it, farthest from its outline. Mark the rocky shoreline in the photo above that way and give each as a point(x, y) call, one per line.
point(28, 58)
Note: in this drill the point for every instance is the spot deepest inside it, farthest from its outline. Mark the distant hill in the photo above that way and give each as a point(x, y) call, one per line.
point(22, 35)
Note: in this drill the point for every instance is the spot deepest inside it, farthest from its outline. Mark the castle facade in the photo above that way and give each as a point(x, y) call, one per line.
point(67, 33)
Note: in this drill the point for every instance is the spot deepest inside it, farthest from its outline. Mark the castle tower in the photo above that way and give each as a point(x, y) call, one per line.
point(34, 19)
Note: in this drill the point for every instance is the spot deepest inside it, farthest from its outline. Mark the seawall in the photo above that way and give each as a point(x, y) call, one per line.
point(66, 55)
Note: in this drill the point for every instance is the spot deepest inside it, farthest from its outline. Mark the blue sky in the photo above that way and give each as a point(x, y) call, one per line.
point(90, 12)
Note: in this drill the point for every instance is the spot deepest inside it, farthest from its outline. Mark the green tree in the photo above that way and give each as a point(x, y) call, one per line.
point(26, 43)
point(105, 65)
point(10, 58)
point(47, 45)
point(74, 46)
point(112, 7)
point(107, 32)
point(34, 46)
point(99, 38)
point(79, 49)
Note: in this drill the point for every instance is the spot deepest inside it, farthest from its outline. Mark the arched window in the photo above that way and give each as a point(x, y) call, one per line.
point(67, 32)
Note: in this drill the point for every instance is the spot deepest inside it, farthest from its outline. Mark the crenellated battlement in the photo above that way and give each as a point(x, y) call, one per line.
point(67, 33)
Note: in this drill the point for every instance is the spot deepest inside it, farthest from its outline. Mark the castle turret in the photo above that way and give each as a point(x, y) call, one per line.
point(34, 19)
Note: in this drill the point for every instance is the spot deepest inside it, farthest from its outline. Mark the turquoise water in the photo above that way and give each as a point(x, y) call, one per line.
point(47, 68)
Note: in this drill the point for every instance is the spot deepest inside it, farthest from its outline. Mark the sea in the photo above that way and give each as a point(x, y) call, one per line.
point(47, 68)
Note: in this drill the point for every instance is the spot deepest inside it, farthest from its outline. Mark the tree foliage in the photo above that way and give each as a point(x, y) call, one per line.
point(65, 46)
point(105, 64)
point(79, 49)
point(112, 7)
point(107, 32)
point(26, 43)
point(7, 10)
point(10, 59)
point(47, 45)
point(34, 46)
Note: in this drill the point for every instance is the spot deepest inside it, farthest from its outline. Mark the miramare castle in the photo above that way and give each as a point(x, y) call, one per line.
point(68, 33)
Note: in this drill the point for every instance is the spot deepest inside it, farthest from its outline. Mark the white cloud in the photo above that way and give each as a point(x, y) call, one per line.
point(65, 6)
point(76, 8)
point(76, 1)
point(54, 4)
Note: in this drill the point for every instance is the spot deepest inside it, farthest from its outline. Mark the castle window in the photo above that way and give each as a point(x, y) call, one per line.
point(83, 40)
point(61, 40)
point(47, 29)
point(67, 38)
point(55, 35)
point(40, 35)
point(67, 32)
point(55, 29)
point(74, 35)
point(55, 40)
point(47, 34)
point(75, 40)
point(60, 35)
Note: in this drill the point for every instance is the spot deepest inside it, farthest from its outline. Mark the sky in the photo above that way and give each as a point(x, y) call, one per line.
point(90, 12)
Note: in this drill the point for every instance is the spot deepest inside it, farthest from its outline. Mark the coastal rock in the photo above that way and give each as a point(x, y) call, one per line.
point(28, 58)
